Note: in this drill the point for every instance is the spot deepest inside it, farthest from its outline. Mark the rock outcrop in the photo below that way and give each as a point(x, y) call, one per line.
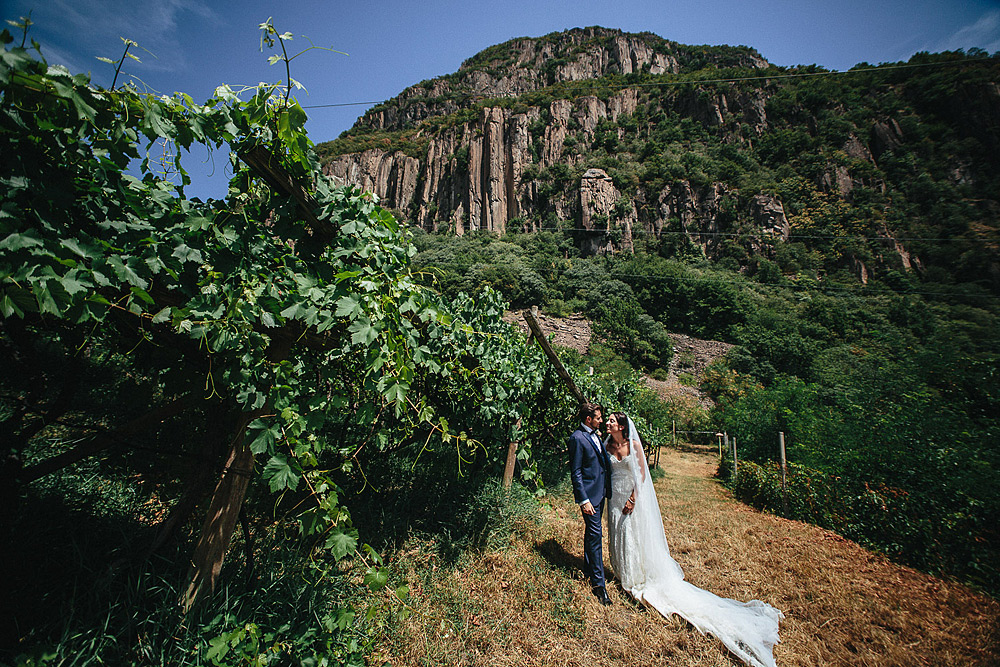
point(769, 216)
point(885, 136)
point(470, 178)
point(524, 65)
point(393, 176)
point(602, 209)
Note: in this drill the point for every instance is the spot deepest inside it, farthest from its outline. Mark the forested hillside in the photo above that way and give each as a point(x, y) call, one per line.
point(842, 229)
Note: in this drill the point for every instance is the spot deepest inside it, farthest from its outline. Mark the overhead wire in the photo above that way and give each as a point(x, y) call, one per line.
point(790, 237)
point(880, 68)
point(859, 291)
point(648, 84)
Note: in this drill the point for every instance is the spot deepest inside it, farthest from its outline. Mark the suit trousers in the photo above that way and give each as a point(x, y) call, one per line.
point(593, 555)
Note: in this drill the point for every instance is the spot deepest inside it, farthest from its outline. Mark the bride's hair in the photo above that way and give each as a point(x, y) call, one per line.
point(622, 420)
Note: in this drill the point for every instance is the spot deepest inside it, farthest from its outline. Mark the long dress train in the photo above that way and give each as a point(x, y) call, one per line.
point(641, 559)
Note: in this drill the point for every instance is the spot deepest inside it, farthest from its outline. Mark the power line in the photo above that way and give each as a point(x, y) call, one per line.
point(621, 86)
point(800, 75)
point(853, 291)
point(341, 104)
point(828, 237)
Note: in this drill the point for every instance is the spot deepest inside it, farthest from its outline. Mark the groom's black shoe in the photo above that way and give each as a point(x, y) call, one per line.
point(602, 595)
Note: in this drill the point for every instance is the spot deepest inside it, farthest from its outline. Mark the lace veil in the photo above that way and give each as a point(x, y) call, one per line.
point(653, 549)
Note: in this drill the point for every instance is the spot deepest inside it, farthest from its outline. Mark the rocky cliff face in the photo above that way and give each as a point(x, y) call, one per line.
point(528, 64)
point(592, 131)
point(472, 176)
point(484, 173)
point(488, 172)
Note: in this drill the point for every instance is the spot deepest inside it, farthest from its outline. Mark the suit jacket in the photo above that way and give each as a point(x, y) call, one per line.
point(589, 468)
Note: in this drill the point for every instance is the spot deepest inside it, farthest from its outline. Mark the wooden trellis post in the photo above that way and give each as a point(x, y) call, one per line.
point(784, 474)
point(508, 470)
point(531, 317)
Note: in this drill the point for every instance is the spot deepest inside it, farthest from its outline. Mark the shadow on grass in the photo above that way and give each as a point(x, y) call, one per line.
point(85, 593)
point(559, 558)
point(572, 566)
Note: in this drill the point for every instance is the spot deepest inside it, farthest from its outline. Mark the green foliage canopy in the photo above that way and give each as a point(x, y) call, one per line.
point(291, 303)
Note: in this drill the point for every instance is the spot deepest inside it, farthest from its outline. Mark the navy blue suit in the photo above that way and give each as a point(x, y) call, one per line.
point(590, 473)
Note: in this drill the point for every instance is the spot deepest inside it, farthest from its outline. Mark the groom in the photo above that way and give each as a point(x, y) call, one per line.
point(589, 470)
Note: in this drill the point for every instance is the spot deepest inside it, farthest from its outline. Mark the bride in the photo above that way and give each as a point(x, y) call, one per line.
point(641, 559)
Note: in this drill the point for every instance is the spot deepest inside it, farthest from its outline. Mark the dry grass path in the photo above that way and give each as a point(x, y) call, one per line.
point(527, 603)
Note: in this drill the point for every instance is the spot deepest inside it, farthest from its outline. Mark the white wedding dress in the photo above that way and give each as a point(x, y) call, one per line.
point(641, 559)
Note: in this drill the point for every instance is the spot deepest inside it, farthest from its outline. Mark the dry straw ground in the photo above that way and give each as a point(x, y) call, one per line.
point(527, 603)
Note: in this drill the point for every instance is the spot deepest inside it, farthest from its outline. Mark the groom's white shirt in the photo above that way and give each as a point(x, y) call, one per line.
point(600, 449)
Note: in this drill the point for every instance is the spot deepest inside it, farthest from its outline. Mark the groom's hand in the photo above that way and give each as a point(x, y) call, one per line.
point(587, 508)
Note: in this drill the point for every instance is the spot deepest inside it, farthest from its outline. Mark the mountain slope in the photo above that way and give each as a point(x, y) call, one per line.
point(619, 137)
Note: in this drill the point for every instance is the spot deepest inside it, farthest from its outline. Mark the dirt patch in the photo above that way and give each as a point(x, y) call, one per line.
point(573, 332)
point(691, 355)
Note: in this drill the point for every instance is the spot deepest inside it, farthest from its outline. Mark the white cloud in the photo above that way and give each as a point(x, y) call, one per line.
point(984, 34)
point(146, 17)
point(92, 27)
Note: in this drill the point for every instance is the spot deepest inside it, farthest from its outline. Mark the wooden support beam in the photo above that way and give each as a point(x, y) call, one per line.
point(266, 165)
point(223, 514)
point(536, 330)
point(735, 462)
point(784, 474)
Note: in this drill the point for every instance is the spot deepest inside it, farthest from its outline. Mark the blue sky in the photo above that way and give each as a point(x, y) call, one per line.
point(391, 44)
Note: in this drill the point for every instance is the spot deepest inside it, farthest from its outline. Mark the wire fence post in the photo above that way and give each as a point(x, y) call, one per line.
point(508, 469)
point(735, 469)
point(784, 474)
